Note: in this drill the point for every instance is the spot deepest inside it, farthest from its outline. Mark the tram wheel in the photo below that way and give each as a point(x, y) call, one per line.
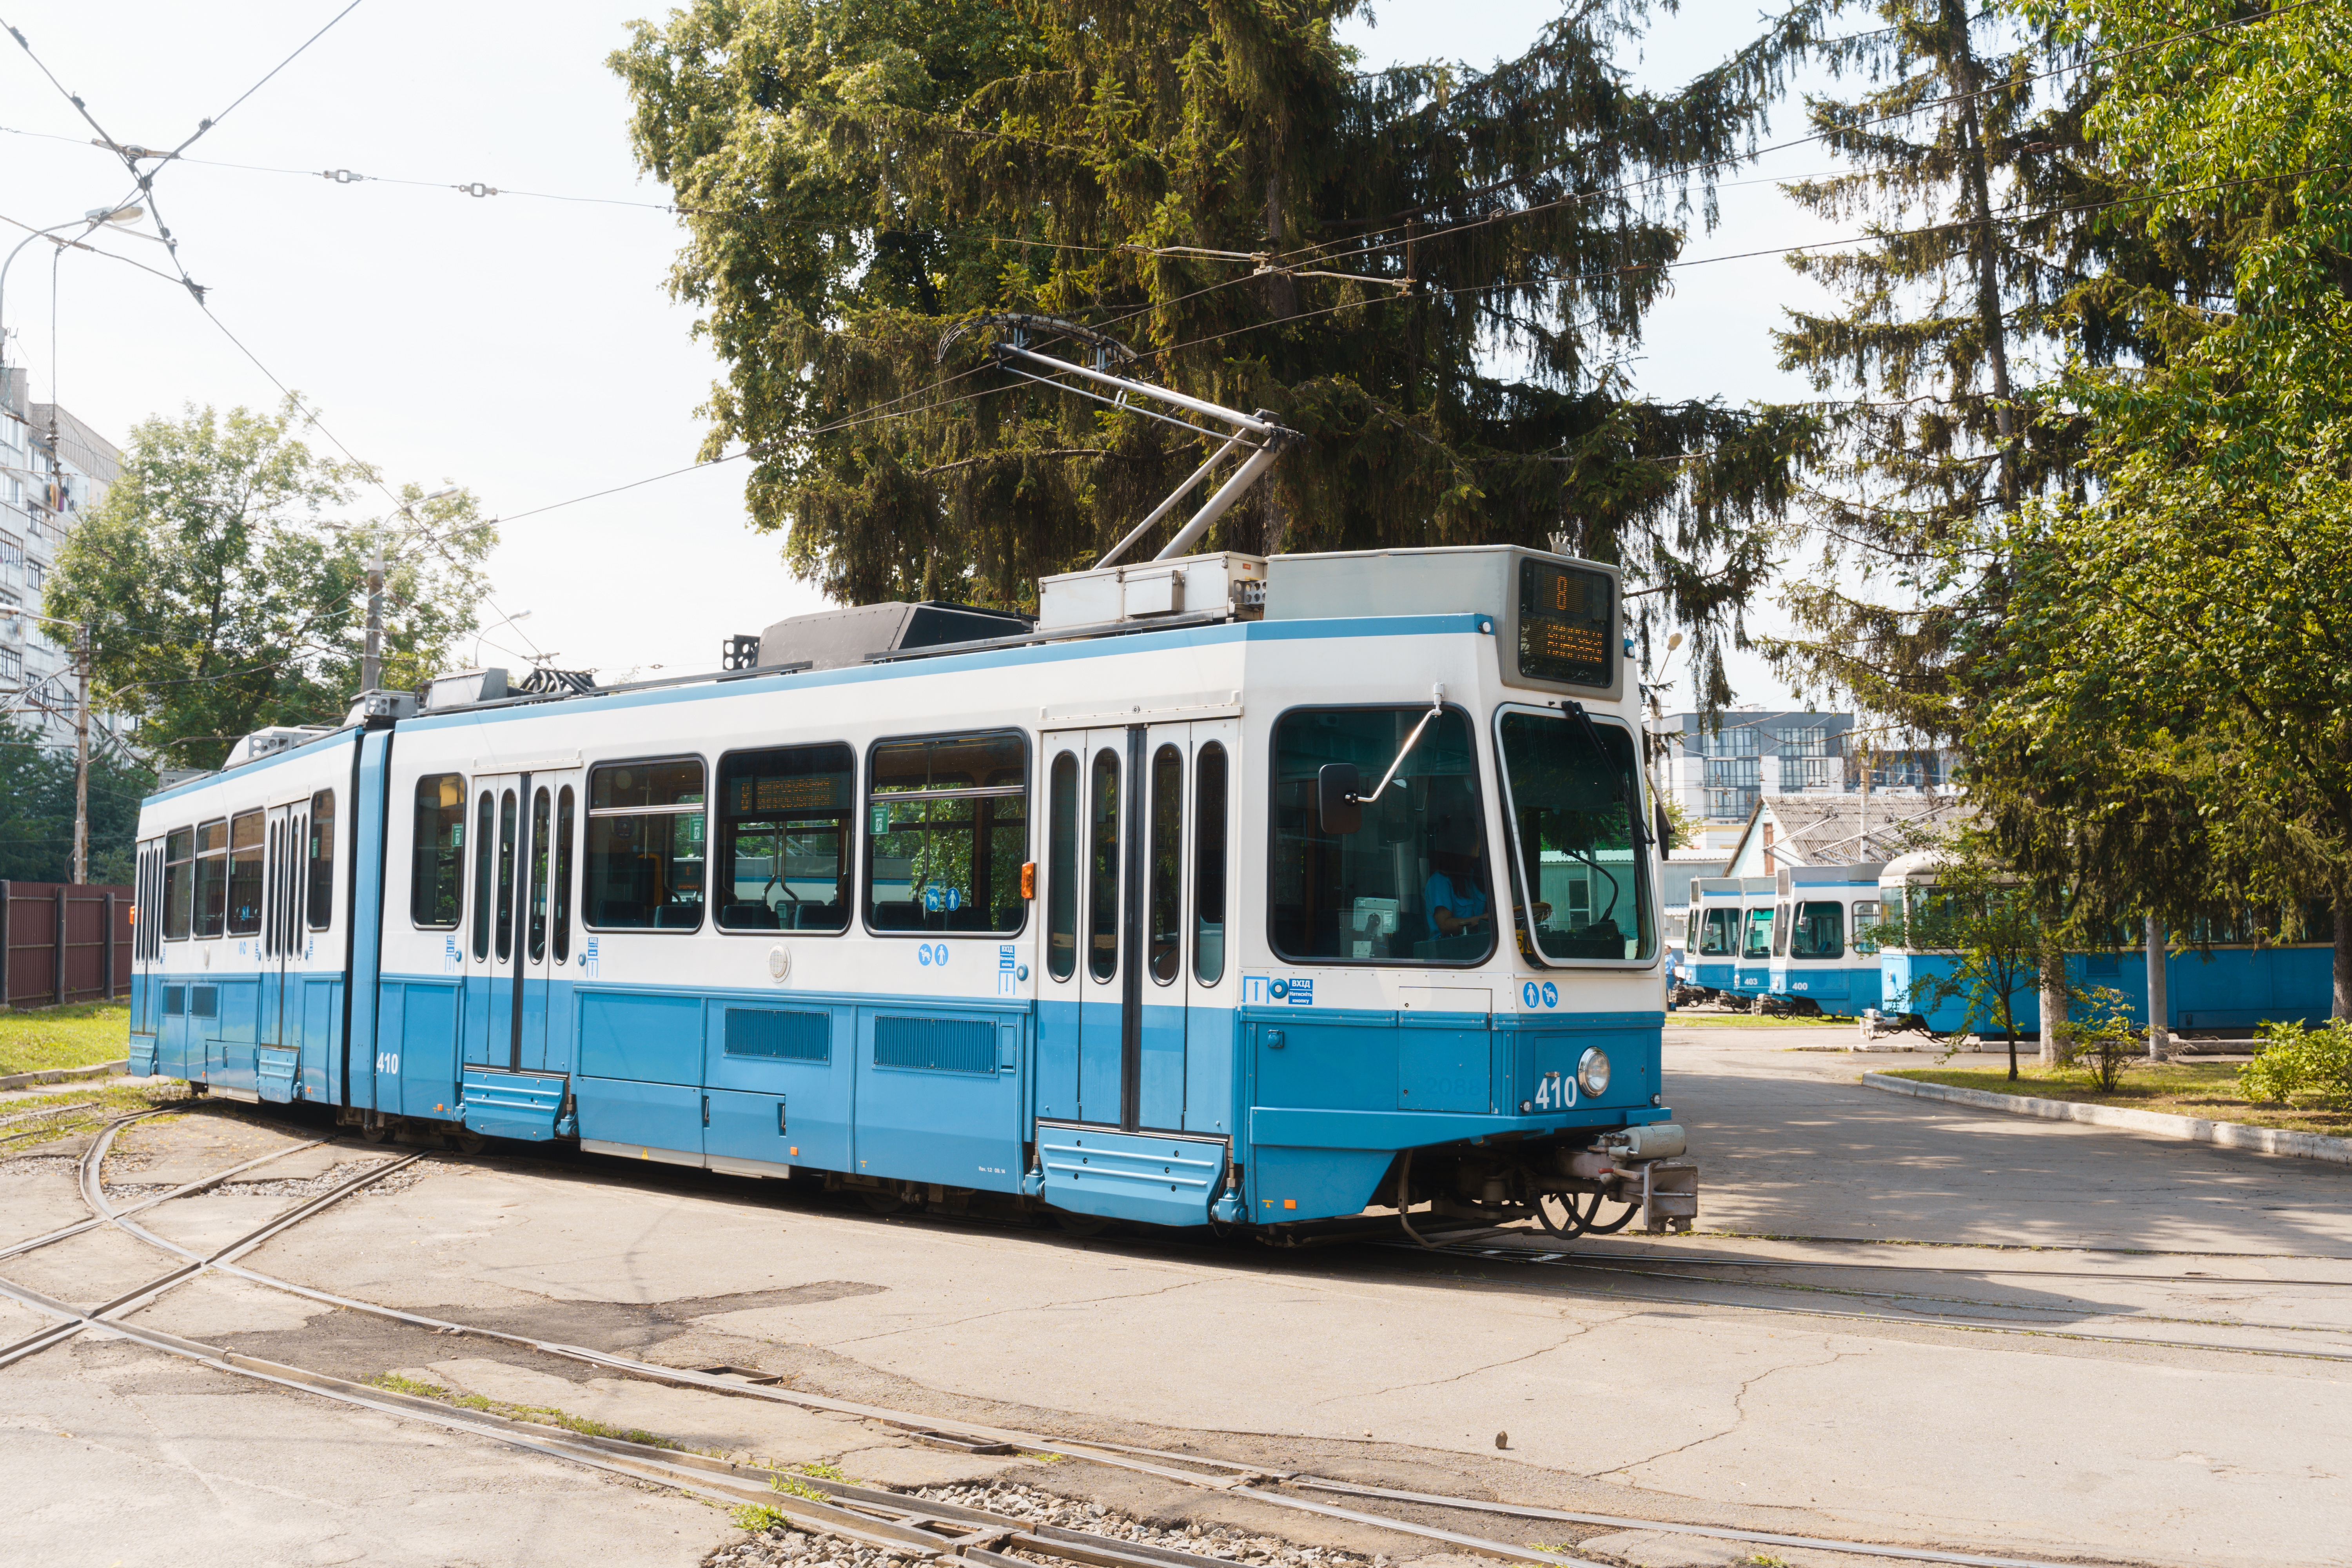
point(883, 1203)
point(1081, 1224)
point(375, 1131)
point(468, 1142)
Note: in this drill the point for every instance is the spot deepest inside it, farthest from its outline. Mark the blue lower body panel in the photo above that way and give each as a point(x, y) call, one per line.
point(1713, 976)
point(142, 1056)
point(511, 1104)
point(1159, 1178)
point(1755, 980)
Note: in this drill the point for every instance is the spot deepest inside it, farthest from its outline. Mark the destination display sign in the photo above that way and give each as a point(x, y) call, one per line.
point(1566, 630)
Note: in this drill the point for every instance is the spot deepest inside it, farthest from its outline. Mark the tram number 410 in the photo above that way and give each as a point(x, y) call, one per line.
point(1555, 1092)
point(388, 1063)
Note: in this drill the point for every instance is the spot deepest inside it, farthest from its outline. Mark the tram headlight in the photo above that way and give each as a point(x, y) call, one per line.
point(1592, 1072)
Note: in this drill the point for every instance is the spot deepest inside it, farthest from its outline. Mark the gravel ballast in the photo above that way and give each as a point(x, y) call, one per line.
point(784, 1545)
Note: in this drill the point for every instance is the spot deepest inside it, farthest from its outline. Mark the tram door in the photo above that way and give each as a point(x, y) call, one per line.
point(284, 837)
point(518, 935)
point(1120, 935)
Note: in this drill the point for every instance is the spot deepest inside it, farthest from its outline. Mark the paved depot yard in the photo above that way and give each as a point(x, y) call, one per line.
point(1664, 1398)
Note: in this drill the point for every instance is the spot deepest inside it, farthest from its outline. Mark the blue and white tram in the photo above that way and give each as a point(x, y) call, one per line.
point(1731, 935)
point(2229, 981)
point(1821, 951)
point(1335, 890)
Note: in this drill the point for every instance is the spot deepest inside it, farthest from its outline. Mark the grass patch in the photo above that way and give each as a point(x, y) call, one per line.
point(84, 1035)
point(538, 1415)
point(101, 1104)
point(2208, 1090)
point(759, 1520)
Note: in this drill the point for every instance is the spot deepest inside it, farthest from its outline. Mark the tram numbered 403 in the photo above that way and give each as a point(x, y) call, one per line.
point(1238, 891)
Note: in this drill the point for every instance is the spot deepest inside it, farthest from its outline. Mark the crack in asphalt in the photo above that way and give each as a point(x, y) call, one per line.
point(1025, 1307)
point(1578, 1332)
point(1739, 1414)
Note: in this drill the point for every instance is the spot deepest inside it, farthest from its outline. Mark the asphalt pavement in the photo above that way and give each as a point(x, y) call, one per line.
point(2062, 1392)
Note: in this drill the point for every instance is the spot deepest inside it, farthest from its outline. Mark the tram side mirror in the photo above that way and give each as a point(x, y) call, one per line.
point(1665, 829)
point(1337, 812)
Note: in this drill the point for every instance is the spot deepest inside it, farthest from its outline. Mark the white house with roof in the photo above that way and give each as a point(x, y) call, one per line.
point(1787, 831)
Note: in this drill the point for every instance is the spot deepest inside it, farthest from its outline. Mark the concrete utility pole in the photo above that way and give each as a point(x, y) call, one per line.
point(371, 661)
point(81, 761)
point(2159, 1007)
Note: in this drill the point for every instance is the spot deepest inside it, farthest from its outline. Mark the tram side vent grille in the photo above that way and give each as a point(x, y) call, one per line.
point(772, 1031)
point(936, 1045)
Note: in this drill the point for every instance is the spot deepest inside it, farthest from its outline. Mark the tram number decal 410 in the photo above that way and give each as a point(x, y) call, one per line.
point(1555, 1092)
point(388, 1063)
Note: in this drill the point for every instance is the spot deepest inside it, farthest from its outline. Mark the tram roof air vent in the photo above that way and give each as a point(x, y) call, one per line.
point(269, 741)
point(838, 639)
point(459, 687)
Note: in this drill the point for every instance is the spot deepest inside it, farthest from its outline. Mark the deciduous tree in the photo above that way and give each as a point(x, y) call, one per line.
point(223, 593)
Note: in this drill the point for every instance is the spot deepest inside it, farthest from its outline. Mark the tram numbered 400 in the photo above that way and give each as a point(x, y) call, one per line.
point(1265, 891)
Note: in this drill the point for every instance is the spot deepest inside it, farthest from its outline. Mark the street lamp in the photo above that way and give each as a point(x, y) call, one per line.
point(90, 220)
point(81, 732)
point(494, 625)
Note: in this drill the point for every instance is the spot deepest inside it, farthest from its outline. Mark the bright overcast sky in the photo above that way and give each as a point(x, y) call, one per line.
point(525, 346)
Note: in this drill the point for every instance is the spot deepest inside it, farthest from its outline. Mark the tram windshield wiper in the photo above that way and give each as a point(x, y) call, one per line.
point(1338, 806)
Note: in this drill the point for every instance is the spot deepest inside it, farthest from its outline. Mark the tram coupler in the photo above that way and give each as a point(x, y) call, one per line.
point(1641, 1166)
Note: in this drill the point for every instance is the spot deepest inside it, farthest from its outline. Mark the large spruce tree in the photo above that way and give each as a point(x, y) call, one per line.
point(1433, 274)
point(1995, 252)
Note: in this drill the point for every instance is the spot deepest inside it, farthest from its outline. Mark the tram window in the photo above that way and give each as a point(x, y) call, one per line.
point(179, 882)
point(1102, 866)
point(320, 885)
point(508, 812)
point(1574, 807)
point(563, 876)
point(1780, 933)
point(244, 853)
point(1209, 786)
point(1721, 933)
point(644, 846)
point(1865, 925)
point(1690, 936)
point(537, 872)
point(436, 869)
point(1820, 930)
point(1759, 943)
point(1062, 892)
point(783, 838)
point(483, 820)
point(1411, 885)
point(947, 831)
point(212, 878)
point(1163, 909)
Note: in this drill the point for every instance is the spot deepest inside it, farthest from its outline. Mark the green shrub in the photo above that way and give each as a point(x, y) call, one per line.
point(2302, 1066)
point(2102, 1042)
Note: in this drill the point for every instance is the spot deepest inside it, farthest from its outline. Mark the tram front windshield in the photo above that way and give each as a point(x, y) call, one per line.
point(1574, 793)
point(1410, 884)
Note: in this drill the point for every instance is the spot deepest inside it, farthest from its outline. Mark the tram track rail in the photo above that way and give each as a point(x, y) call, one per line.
point(908, 1529)
point(893, 1523)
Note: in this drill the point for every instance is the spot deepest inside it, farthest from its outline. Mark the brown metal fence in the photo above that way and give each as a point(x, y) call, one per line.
point(89, 927)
